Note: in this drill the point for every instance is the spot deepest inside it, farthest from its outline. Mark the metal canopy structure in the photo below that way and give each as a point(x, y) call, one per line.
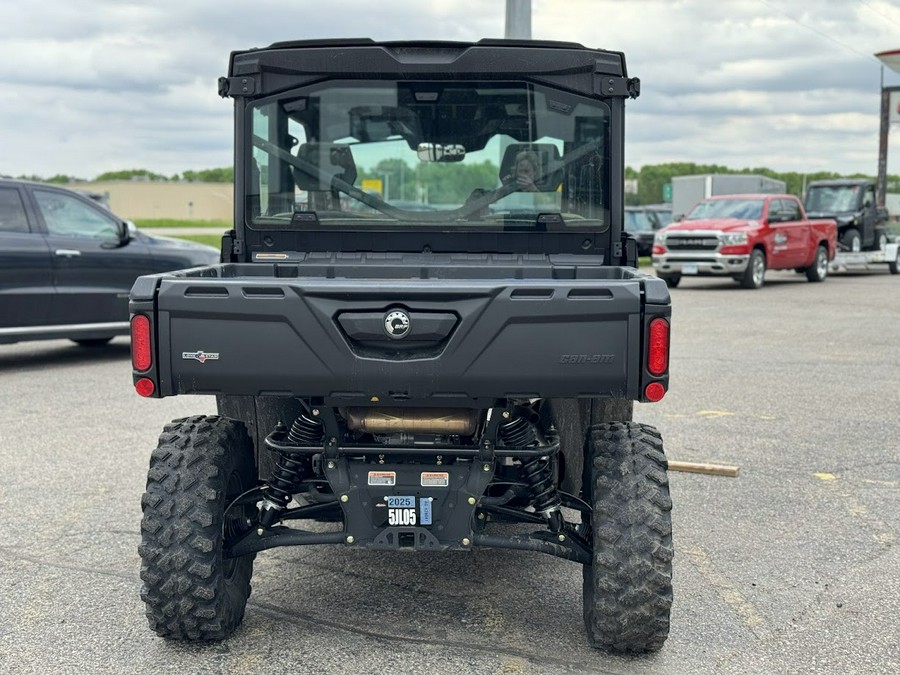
point(890, 58)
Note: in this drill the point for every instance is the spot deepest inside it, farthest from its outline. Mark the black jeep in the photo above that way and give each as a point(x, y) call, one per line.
point(427, 332)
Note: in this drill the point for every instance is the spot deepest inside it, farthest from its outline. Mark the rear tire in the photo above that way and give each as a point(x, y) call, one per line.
point(755, 274)
point(819, 269)
point(628, 586)
point(92, 342)
point(191, 592)
point(672, 280)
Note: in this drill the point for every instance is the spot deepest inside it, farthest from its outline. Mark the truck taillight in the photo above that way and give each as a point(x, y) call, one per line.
point(141, 348)
point(658, 347)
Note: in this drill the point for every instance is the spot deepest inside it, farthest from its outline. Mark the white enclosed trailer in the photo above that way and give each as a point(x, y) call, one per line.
point(688, 190)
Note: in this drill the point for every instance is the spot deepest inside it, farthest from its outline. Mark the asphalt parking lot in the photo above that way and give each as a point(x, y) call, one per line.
point(792, 567)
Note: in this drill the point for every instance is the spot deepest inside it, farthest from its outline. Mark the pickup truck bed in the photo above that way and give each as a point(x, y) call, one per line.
point(480, 327)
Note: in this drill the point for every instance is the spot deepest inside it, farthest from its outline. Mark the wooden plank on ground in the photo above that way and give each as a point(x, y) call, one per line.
point(709, 469)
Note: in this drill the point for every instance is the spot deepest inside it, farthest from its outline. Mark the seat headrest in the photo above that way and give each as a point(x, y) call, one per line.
point(326, 161)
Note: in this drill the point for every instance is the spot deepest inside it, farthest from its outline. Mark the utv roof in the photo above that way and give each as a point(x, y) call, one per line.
point(840, 182)
point(569, 64)
point(366, 42)
point(748, 195)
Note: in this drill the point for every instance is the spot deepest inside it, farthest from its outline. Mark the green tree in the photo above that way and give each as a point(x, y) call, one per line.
point(130, 174)
point(652, 177)
point(446, 183)
point(220, 175)
point(58, 179)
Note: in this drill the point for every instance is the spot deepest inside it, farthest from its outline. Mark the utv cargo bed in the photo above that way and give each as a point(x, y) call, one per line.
point(474, 328)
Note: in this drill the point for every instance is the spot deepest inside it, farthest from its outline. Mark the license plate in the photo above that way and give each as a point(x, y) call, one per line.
point(689, 268)
point(403, 511)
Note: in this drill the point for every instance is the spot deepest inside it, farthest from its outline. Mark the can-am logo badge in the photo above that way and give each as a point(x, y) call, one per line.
point(396, 324)
point(200, 356)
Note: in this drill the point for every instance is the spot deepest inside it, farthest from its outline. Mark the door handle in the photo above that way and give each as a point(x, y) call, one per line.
point(68, 252)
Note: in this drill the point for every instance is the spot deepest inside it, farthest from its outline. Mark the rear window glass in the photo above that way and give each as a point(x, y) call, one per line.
point(12, 211)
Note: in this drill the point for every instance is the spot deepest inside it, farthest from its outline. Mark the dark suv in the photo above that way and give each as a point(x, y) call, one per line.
point(642, 222)
point(67, 264)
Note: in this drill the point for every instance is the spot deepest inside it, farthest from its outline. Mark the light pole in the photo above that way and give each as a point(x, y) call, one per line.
point(890, 108)
point(518, 19)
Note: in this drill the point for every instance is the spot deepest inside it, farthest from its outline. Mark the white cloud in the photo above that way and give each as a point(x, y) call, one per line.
point(97, 85)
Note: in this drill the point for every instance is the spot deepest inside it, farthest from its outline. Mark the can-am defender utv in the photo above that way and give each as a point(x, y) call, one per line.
point(427, 323)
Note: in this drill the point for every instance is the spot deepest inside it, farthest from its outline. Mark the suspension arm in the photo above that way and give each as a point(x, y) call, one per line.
point(273, 537)
point(532, 543)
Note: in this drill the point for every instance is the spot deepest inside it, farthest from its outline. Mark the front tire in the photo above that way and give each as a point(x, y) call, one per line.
point(628, 586)
point(755, 274)
point(851, 241)
point(819, 269)
point(672, 280)
point(190, 590)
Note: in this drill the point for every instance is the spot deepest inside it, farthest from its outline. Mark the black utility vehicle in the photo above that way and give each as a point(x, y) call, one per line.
point(850, 202)
point(428, 334)
point(67, 264)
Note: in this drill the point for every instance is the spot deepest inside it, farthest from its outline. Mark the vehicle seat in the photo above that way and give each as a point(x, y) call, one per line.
point(327, 162)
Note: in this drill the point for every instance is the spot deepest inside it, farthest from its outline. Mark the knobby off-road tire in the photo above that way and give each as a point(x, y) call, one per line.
point(628, 587)
point(92, 342)
point(200, 465)
point(672, 280)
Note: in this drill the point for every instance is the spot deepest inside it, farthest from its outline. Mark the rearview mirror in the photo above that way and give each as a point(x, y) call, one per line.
point(435, 152)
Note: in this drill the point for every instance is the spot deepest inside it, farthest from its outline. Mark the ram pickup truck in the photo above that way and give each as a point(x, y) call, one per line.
point(427, 324)
point(742, 236)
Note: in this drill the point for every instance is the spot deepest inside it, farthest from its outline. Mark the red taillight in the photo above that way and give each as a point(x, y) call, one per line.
point(654, 392)
point(141, 349)
point(144, 387)
point(658, 352)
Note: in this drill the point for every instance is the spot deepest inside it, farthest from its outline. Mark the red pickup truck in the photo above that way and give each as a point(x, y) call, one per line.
point(742, 236)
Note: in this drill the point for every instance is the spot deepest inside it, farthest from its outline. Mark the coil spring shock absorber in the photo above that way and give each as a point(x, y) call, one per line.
point(538, 471)
point(289, 469)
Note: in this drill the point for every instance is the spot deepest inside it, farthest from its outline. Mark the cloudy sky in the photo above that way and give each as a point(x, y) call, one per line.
point(98, 85)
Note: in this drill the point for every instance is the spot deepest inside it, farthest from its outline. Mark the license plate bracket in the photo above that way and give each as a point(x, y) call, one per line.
point(403, 511)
